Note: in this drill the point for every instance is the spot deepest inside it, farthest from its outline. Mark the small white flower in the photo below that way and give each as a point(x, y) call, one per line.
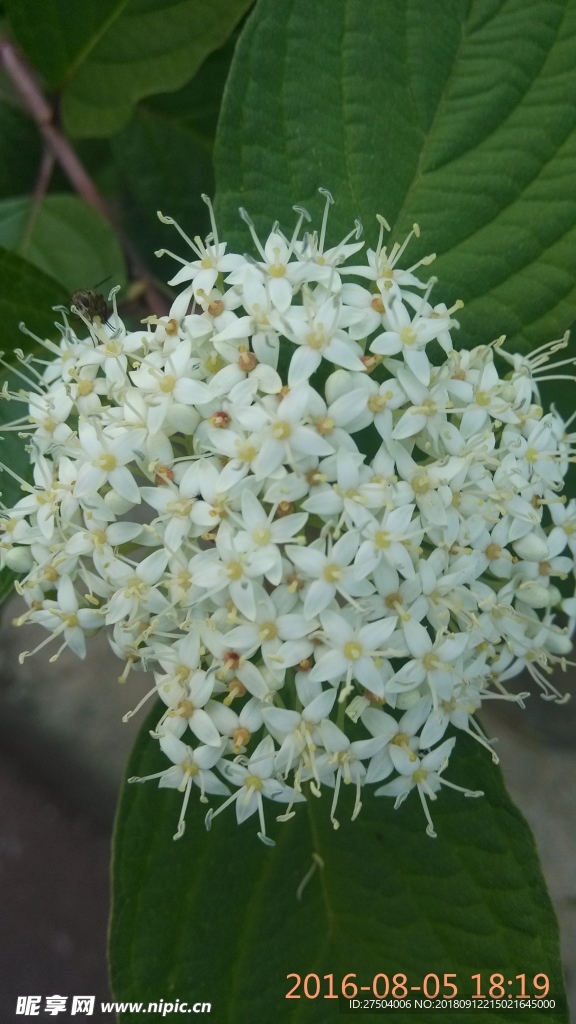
point(254, 781)
point(190, 767)
point(353, 653)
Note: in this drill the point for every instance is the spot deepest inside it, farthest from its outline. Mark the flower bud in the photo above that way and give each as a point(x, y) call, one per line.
point(533, 594)
point(408, 700)
point(532, 548)
point(19, 559)
point(117, 504)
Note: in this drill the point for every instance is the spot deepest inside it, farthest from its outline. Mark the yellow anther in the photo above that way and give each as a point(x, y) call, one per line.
point(353, 650)
point(167, 383)
point(281, 430)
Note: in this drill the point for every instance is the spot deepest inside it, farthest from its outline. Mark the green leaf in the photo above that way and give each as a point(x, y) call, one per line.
point(7, 580)
point(20, 151)
point(65, 238)
point(215, 917)
point(26, 295)
point(459, 115)
point(147, 46)
point(68, 31)
point(164, 156)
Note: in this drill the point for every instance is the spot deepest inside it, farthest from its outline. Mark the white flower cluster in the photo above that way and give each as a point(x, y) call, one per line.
point(332, 564)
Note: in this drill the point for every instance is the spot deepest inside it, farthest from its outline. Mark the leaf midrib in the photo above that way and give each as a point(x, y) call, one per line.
point(84, 53)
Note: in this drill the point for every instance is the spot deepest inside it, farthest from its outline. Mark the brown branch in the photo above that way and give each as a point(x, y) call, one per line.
point(22, 75)
point(40, 188)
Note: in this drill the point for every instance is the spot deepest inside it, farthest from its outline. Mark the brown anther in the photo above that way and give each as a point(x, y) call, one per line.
point(392, 600)
point(536, 501)
point(373, 698)
point(235, 689)
point(283, 392)
point(241, 739)
point(172, 327)
point(370, 362)
point(545, 569)
point(377, 304)
point(164, 473)
point(493, 551)
point(305, 665)
point(294, 582)
point(216, 307)
point(314, 477)
point(325, 425)
point(220, 419)
point(247, 361)
point(232, 661)
point(285, 508)
point(185, 709)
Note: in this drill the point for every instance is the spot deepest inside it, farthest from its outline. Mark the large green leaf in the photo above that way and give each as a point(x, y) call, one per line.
point(26, 295)
point(61, 40)
point(110, 54)
point(458, 114)
point(164, 156)
point(215, 917)
point(20, 151)
point(65, 238)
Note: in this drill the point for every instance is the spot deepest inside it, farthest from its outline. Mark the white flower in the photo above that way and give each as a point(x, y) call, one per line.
point(387, 539)
point(362, 401)
point(137, 588)
point(169, 381)
point(353, 653)
point(254, 781)
point(342, 762)
point(263, 533)
point(332, 573)
point(64, 616)
point(283, 639)
point(277, 268)
point(107, 460)
point(425, 775)
point(212, 258)
point(190, 767)
point(410, 335)
point(230, 566)
point(316, 332)
point(333, 508)
point(283, 431)
point(432, 663)
point(300, 733)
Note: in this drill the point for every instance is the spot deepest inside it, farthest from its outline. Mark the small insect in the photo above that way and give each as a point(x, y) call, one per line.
point(90, 303)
